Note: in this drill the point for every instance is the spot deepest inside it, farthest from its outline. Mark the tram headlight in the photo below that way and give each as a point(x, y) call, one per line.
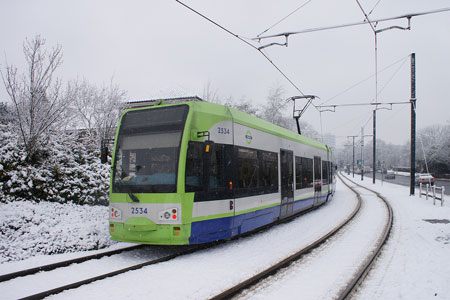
point(115, 213)
point(170, 214)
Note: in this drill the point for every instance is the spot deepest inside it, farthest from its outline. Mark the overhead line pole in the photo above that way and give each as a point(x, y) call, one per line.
point(362, 151)
point(353, 154)
point(413, 126)
point(374, 161)
point(374, 145)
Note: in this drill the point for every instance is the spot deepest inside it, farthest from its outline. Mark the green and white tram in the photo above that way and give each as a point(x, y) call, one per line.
point(197, 172)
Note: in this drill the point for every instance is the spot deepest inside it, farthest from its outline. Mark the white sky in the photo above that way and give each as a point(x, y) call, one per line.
point(158, 47)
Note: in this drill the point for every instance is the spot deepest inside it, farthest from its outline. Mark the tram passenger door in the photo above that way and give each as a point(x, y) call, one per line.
point(317, 179)
point(287, 183)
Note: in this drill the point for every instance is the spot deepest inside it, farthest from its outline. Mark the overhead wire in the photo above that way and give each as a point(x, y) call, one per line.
point(215, 23)
point(371, 116)
point(356, 119)
point(392, 116)
point(366, 16)
point(365, 79)
point(421, 141)
point(407, 16)
point(249, 44)
point(392, 77)
point(286, 34)
point(376, 4)
point(284, 18)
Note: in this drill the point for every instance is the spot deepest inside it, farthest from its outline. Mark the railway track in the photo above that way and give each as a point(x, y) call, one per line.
point(366, 266)
point(62, 264)
point(235, 290)
point(265, 275)
point(224, 295)
point(59, 289)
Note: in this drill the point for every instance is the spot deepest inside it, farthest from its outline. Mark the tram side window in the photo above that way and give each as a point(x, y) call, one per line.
point(303, 172)
point(217, 168)
point(317, 168)
point(298, 173)
point(194, 167)
point(331, 173)
point(325, 175)
point(248, 168)
point(269, 166)
point(307, 172)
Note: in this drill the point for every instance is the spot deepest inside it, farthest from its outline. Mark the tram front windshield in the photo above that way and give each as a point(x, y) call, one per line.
point(147, 151)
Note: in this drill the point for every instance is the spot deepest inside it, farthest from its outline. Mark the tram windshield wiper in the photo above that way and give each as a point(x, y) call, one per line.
point(133, 197)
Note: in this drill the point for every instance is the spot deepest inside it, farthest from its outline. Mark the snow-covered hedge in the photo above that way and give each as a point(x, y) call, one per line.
point(68, 170)
point(28, 229)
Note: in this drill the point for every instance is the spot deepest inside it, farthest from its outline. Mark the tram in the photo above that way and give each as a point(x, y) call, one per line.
point(197, 172)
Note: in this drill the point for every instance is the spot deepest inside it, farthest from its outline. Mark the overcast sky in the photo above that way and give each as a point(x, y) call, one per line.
point(156, 48)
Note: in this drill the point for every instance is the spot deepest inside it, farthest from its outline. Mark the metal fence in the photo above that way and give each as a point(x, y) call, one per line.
point(431, 192)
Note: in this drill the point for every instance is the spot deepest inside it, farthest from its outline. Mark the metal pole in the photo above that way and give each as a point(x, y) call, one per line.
point(362, 153)
point(353, 160)
point(353, 154)
point(413, 125)
point(442, 195)
point(420, 190)
point(348, 158)
point(374, 145)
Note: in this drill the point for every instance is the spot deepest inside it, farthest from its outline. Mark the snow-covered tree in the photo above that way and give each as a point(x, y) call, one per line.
point(69, 171)
point(96, 110)
point(37, 97)
point(274, 109)
point(210, 94)
point(307, 130)
point(6, 114)
point(243, 105)
point(435, 140)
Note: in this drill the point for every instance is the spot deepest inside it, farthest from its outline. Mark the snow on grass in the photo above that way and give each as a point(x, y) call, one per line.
point(412, 265)
point(29, 229)
point(414, 262)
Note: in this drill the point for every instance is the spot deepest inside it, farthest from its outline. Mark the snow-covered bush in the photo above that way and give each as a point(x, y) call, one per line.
point(67, 170)
point(28, 229)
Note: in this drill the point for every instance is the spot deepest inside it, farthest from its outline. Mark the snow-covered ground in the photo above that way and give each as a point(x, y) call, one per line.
point(328, 269)
point(415, 261)
point(413, 265)
point(29, 229)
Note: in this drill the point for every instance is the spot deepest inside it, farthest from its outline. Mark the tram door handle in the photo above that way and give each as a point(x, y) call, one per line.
point(231, 205)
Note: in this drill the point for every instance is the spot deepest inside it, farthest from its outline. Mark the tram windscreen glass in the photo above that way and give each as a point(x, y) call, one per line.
point(148, 149)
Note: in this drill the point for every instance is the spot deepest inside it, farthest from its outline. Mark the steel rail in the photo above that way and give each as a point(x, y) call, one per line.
point(60, 289)
point(367, 265)
point(227, 294)
point(65, 263)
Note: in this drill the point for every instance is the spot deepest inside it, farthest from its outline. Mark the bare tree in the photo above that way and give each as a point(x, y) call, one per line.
point(274, 110)
point(243, 105)
point(210, 94)
point(36, 95)
point(97, 109)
